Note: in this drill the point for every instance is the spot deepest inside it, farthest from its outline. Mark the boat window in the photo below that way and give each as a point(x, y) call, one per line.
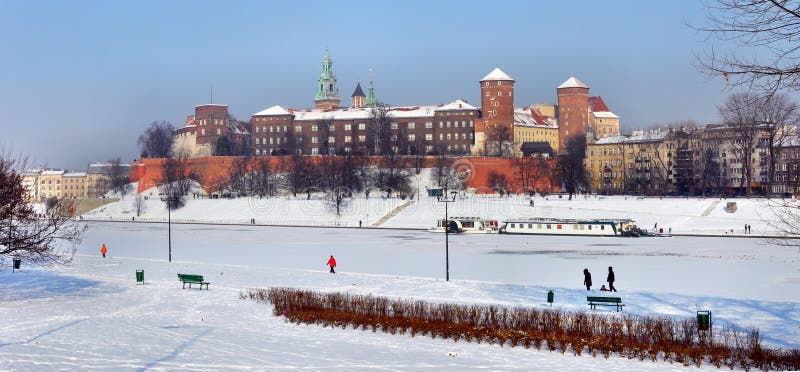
point(558, 227)
point(513, 226)
point(539, 226)
point(530, 225)
point(602, 227)
point(548, 227)
point(590, 227)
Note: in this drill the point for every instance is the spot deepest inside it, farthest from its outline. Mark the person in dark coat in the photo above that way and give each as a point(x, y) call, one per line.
point(587, 279)
point(610, 279)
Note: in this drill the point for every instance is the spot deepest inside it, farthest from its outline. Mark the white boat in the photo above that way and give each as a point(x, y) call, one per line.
point(467, 225)
point(562, 226)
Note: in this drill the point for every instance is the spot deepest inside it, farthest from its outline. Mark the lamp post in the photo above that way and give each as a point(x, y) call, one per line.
point(170, 199)
point(444, 198)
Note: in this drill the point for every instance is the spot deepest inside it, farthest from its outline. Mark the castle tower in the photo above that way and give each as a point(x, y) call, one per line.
point(372, 101)
point(497, 105)
point(327, 91)
point(573, 110)
point(358, 99)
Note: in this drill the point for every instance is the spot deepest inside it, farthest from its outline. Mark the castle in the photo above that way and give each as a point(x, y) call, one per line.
point(496, 128)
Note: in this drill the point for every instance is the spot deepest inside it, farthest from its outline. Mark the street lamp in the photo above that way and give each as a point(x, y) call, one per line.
point(171, 200)
point(444, 198)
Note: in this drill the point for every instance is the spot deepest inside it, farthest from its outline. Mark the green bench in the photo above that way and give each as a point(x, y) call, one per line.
point(604, 301)
point(192, 279)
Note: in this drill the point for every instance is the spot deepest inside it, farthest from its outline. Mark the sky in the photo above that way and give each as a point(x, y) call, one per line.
point(79, 81)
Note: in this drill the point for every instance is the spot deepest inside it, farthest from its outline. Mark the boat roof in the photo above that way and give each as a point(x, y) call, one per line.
point(568, 220)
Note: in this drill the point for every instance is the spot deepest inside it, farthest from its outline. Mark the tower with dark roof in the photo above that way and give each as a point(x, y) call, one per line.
point(358, 99)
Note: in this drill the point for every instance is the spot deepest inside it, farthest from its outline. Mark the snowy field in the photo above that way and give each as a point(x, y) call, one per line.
point(691, 216)
point(92, 315)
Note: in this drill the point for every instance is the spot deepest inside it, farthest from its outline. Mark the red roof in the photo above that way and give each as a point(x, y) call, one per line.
point(538, 117)
point(596, 104)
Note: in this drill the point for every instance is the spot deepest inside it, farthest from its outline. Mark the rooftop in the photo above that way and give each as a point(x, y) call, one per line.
point(573, 82)
point(497, 74)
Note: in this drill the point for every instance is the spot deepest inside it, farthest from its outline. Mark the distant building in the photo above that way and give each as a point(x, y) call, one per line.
point(51, 184)
point(211, 131)
point(74, 185)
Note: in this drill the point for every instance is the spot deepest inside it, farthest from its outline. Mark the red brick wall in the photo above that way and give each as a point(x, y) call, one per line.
point(497, 104)
point(148, 172)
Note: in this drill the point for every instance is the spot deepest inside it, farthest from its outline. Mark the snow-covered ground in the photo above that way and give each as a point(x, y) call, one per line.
point(704, 216)
point(92, 315)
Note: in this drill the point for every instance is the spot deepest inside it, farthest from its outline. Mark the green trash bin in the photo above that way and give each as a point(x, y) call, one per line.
point(703, 320)
point(550, 297)
point(139, 276)
point(16, 263)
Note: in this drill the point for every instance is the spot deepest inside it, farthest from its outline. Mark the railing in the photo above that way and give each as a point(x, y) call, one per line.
point(254, 222)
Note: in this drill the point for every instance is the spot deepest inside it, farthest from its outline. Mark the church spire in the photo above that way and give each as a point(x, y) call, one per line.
point(372, 101)
point(327, 96)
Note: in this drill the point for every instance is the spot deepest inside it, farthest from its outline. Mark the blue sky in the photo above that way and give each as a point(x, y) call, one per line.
point(79, 81)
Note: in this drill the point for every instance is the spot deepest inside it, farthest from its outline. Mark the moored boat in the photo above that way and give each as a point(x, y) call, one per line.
point(562, 226)
point(467, 225)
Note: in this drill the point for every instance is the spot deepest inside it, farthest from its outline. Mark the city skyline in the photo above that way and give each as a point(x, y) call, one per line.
point(93, 78)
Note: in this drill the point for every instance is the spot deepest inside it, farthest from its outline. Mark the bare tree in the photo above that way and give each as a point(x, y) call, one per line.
point(570, 165)
point(766, 57)
point(778, 117)
point(156, 141)
point(25, 235)
point(740, 113)
point(119, 177)
point(138, 204)
point(499, 140)
point(498, 181)
point(176, 181)
point(379, 130)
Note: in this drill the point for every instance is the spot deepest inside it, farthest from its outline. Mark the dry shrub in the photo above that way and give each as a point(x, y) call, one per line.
point(642, 337)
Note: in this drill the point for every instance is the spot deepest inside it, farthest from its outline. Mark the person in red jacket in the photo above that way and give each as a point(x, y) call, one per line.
point(332, 264)
point(103, 250)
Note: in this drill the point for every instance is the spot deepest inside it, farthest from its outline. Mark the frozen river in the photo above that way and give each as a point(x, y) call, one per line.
point(742, 268)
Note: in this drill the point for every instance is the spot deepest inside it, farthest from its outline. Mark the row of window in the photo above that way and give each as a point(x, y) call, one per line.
point(548, 226)
point(348, 149)
point(363, 126)
point(362, 138)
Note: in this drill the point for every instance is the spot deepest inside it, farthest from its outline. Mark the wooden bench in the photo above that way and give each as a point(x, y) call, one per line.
point(192, 279)
point(604, 301)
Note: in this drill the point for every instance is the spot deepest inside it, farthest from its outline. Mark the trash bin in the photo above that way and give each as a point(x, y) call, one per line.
point(550, 297)
point(16, 263)
point(703, 320)
point(139, 276)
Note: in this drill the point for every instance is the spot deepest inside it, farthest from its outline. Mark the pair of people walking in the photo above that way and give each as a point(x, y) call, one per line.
point(587, 280)
point(747, 229)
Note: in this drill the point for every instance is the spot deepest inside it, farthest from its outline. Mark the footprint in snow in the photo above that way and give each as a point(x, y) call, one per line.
point(452, 354)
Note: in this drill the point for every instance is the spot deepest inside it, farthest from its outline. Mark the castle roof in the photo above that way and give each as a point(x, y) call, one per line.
point(497, 74)
point(531, 117)
point(637, 136)
point(273, 111)
point(458, 104)
point(600, 109)
point(358, 92)
point(572, 82)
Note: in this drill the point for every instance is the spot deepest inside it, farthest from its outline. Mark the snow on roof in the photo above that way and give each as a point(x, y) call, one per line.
point(458, 104)
point(75, 174)
point(791, 141)
point(497, 74)
point(273, 111)
point(211, 104)
point(605, 114)
point(637, 137)
point(572, 82)
point(52, 172)
point(526, 116)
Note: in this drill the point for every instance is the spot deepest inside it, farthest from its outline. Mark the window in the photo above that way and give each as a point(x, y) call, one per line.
point(298, 128)
point(393, 138)
point(314, 139)
point(362, 138)
point(441, 136)
point(448, 124)
point(314, 128)
point(470, 123)
point(219, 131)
point(271, 141)
point(348, 139)
point(412, 137)
point(428, 124)
point(362, 126)
point(258, 141)
point(314, 151)
point(441, 124)
point(331, 139)
point(428, 148)
point(394, 125)
point(411, 125)
point(429, 137)
point(448, 136)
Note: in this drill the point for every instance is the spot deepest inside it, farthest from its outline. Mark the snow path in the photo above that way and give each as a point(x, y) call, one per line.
point(92, 315)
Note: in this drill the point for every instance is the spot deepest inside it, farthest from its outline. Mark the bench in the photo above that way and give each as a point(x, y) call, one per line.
point(604, 301)
point(192, 279)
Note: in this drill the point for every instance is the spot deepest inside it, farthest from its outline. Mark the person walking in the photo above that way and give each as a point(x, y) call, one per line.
point(587, 279)
point(332, 264)
point(610, 279)
point(103, 250)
